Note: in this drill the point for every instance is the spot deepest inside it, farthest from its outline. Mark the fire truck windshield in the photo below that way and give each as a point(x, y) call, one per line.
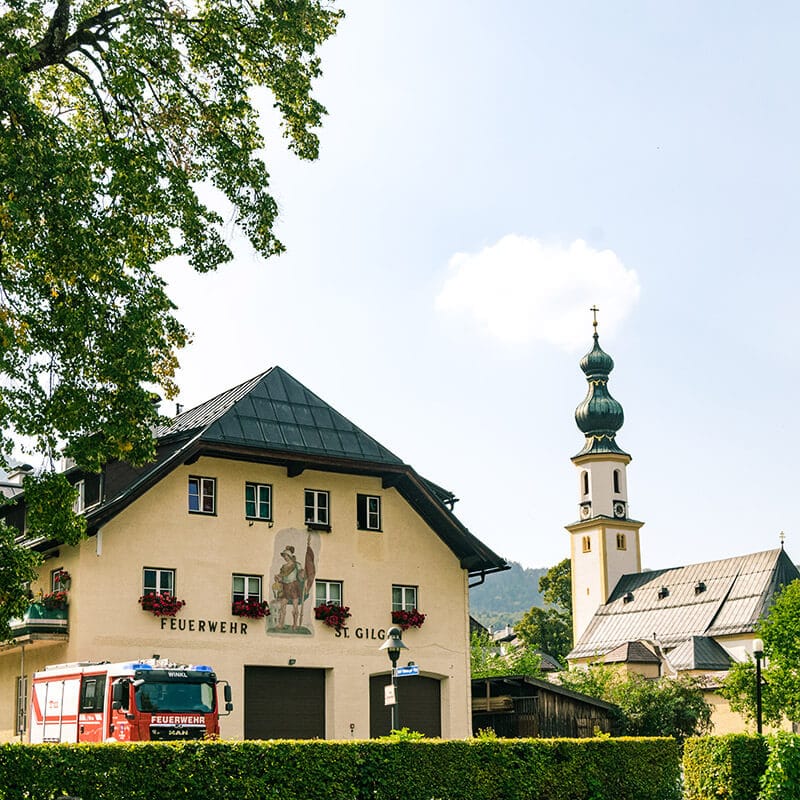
point(155, 696)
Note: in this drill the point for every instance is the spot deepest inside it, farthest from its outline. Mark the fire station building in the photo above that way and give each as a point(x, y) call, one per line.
point(266, 518)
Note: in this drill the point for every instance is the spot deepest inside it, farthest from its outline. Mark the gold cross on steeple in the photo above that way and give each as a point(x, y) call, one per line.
point(594, 310)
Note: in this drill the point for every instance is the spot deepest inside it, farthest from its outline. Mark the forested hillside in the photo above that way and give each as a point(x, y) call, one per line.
point(504, 597)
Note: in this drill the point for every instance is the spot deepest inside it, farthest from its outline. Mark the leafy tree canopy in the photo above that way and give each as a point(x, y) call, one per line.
point(111, 117)
point(780, 689)
point(486, 660)
point(556, 586)
point(662, 707)
point(550, 629)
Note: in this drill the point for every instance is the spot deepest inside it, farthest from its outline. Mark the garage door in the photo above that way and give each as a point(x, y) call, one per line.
point(420, 701)
point(284, 703)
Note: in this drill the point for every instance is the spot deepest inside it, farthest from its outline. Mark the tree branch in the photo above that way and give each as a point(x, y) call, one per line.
point(90, 83)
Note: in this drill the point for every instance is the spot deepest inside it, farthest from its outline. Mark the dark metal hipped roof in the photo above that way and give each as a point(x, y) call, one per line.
point(273, 418)
point(275, 411)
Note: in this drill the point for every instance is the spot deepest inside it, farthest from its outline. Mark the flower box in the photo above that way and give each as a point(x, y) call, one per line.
point(334, 616)
point(161, 604)
point(55, 601)
point(408, 619)
point(254, 609)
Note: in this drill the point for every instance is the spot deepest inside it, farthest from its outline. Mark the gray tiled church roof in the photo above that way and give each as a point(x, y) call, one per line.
point(711, 599)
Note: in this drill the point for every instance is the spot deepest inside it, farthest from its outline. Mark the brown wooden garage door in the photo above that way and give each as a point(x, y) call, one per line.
point(284, 703)
point(420, 705)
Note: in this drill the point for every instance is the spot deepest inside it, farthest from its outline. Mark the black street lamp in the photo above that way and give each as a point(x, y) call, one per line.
point(758, 652)
point(393, 645)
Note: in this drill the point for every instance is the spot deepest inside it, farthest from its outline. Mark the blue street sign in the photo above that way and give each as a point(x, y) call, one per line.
point(404, 671)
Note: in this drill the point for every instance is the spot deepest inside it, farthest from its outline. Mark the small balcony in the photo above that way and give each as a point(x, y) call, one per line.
point(41, 622)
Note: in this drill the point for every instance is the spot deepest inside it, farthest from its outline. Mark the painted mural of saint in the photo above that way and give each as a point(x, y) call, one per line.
point(292, 584)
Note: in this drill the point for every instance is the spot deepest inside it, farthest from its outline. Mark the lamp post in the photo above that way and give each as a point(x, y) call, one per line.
point(758, 652)
point(393, 645)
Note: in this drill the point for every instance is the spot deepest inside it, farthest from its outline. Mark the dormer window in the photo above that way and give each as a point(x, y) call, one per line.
point(699, 587)
point(88, 493)
point(627, 597)
point(663, 592)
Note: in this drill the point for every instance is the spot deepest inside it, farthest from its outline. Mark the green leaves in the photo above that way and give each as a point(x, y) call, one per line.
point(109, 118)
point(18, 566)
point(647, 707)
point(780, 688)
point(550, 629)
point(49, 499)
point(486, 660)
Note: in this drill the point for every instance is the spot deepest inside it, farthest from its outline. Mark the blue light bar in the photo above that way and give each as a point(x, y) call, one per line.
point(202, 668)
point(138, 665)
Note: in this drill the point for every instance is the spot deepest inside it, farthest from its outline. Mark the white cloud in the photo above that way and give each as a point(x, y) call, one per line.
point(521, 290)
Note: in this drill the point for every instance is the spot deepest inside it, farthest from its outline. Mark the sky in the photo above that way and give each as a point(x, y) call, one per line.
point(487, 173)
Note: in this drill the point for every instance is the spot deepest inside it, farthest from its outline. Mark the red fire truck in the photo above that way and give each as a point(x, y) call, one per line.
point(134, 701)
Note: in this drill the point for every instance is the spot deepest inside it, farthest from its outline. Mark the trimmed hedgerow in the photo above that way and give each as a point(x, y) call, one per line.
point(781, 779)
point(545, 769)
point(724, 767)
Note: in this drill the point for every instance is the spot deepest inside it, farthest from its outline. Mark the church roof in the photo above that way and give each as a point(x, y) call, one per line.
point(599, 416)
point(273, 419)
point(669, 606)
point(700, 653)
point(631, 653)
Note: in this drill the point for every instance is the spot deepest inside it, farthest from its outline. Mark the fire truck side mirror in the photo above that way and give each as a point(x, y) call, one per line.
point(119, 695)
point(228, 695)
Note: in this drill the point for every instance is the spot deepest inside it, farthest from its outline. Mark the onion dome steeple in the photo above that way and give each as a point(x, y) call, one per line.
point(599, 416)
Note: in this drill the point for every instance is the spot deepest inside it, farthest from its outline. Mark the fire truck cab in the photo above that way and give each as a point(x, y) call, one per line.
point(146, 700)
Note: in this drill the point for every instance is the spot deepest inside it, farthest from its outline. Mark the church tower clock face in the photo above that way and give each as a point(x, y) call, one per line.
point(603, 495)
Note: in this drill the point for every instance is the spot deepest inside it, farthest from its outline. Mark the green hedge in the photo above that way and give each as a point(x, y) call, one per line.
point(519, 769)
point(724, 767)
point(782, 777)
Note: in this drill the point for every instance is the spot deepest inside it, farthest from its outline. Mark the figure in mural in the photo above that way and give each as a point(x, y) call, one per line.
point(292, 584)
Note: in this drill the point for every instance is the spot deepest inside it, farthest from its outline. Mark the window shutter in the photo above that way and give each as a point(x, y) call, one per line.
point(91, 490)
point(361, 511)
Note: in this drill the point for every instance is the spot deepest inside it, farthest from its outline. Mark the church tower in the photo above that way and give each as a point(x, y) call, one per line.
point(604, 542)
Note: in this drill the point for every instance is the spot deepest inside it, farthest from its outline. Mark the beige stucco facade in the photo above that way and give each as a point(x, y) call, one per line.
point(157, 530)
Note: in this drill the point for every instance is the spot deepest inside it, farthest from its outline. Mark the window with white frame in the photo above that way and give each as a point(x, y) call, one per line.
point(246, 587)
point(157, 580)
point(88, 493)
point(21, 704)
point(202, 495)
point(368, 512)
point(327, 593)
point(404, 598)
point(258, 501)
point(317, 507)
point(59, 580)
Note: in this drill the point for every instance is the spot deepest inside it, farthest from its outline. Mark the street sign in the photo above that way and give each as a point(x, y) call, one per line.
point(388, 695)
point(404, 671)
